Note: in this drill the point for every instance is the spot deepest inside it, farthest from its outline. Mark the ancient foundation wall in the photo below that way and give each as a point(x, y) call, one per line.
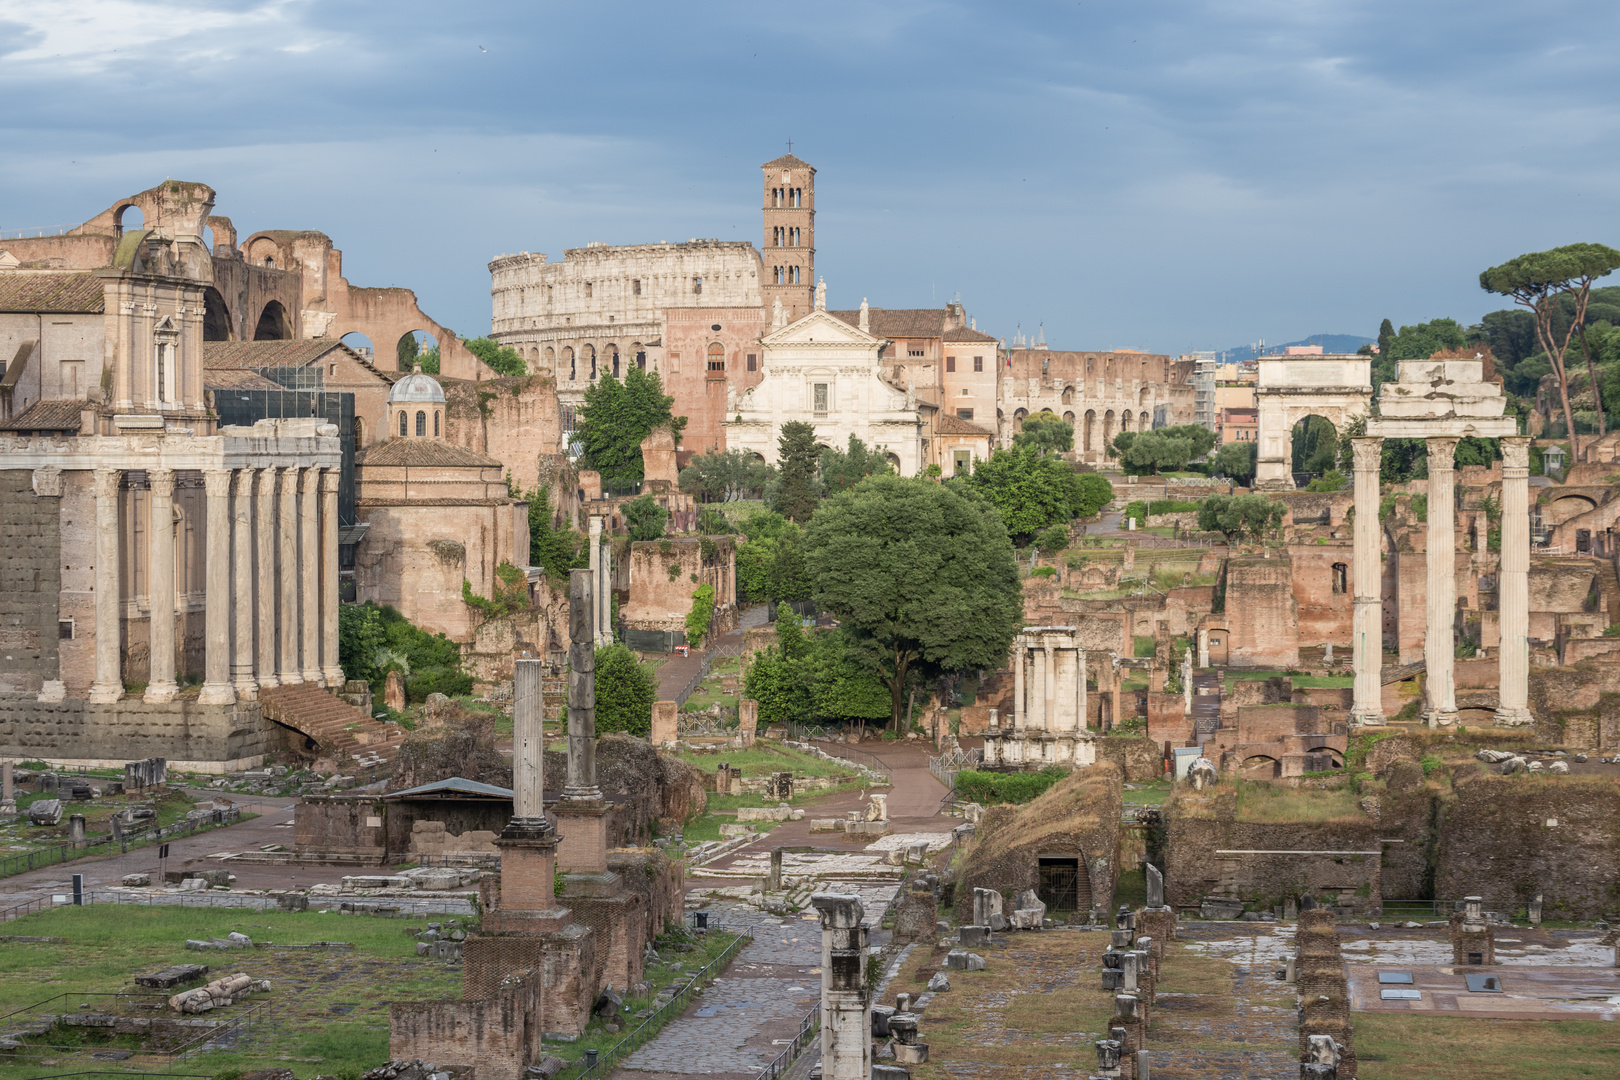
point(193, 737)
point(1138, 758)
point(30, 583)
point(497, 1036)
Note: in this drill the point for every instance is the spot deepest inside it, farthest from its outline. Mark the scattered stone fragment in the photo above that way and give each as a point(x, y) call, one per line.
point(940, 982)
point(137, 881)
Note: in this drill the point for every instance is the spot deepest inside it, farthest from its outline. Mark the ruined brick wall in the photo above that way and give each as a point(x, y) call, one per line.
point(665, 573)
point(659, 880)
point(30, 583)
point(340, 824)
point(1262, 617)
point(498, 1036)
point(1137, 758)
point(516, 421)
point(1507, 838)
point(1324, 614)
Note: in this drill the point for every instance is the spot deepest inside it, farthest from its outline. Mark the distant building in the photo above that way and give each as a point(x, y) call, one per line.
point(1239, 425)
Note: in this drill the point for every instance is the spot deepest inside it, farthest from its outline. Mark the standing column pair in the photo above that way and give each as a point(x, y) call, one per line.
point(1513, 585)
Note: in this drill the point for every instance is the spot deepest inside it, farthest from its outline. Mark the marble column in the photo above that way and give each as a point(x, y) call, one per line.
point(1085, 722)
point(217, 688)
point(330, 671)
point(581, 812)
point(265, 539)
point(287, 658)
point(242, 600)
point(528, 746)
point(604, 593)
point(1018, 683)
point(1368, 627)
point(1513, 584)
point(160, 686)
point(1049, 719)
point(1439, 644)
point(309, 577)
point(595, 553)
point(109, 681)
point(1035, 714)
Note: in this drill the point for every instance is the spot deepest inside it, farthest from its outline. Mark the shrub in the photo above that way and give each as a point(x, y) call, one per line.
point(701, 615)
point(987, 788)
point(625, 691)
point(1043, 571)
point(1053, 540)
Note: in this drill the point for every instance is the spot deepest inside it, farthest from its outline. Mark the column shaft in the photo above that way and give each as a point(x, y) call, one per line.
point(1018, 683)
point(1367, 638)
point(330, 670)
point(242, 606)
point(160, 686)
point(268, 595)
point(309, 577)
point(604, 593)
point(287, 659)
point(528, 766)
point(581, 697)
point(217, 646)
point(1049, 719)
point(109, 681)
point(1439, 645)
point(1080, 659)
point(1513, 584)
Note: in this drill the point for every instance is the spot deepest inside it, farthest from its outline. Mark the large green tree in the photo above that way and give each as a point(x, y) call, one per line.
point(555, 549)
point(615, 418)
point(501, 359)
point(724, 476)
point(1540, 281)
point(843, 469)
point(797, 489)
point(644, 518)
point(920, 575)
point(1045, 432)
point(1032, 491)
point(625, 690)
point(1240, 515)
point(1236, 460)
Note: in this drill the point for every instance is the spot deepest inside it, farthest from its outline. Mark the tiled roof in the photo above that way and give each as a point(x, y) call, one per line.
point(51, 291)
point(246, 355)
point(786, 161)
point(56, 414)
point(965, 333)
point(898, 322)
point(421, 454)
point(237, 379)
point(955, 425)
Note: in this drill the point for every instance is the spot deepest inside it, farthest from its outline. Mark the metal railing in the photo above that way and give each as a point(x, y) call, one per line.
point(692, 683)
point(139, 836)
point(808, 1028)
point(859, 757)
point(649, 1027)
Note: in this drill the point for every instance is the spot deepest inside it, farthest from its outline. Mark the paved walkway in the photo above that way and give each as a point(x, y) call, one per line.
point(677, 671)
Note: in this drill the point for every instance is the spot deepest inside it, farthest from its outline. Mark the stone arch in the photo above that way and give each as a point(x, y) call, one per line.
point(638, 352)
point(569, 362)
point(1143, 396)
point(1018, 419)
point(610, 358)
point(1335, 758)
point(1260, 767)
point(587, 357)
point(894, 460)
point(549, 357)
point(1338, 389)
point(360, 343)
point(216, 316)
point(128, 217)
point(1144, 422)
point(1310, 442)
point(273, 324)
point(423, 341)
point(1091, 424)
point(1068, 395)
point(1108, 432)
point(1126, 420)
point(1068, 418)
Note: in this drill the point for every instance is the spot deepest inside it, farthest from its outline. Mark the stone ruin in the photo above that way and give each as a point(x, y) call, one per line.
point(1324, 994)
point(846, 1004)
point(1473, 940)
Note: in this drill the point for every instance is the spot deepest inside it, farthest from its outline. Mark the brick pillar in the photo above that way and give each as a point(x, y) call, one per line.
point(161, 686)
point(242, 613)
point(1368, 633)
point(1513, 585)
point(1439, 645)
point(217, 688)
point(665, 723)
point(109, 681)
point(268, 596)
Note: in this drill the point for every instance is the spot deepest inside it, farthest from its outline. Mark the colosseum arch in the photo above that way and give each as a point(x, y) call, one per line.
point(273, 324)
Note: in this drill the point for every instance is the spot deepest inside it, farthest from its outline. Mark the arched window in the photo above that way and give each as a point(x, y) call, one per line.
point(435, 423)
point(402, 422)
point(568, 355)
point(421, 423)
point(717, 357)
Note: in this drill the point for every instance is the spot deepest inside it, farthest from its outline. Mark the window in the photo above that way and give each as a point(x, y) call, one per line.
point(717, 357)
point(820, 398)
point(963, 462)
point(950, 363)
point(435, 423)
point(964, 414)
point(402, 422)
point(978, 363)
point(64, 629)
point(588, 290)
point(753, 362)
point(914, 349)
point(697, 285)
point(1341, 579)
point(421, 423)
point(635, 287)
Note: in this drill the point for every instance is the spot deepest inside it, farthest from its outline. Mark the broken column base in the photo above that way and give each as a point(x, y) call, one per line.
point(1159, 924)
point(868, 828)
point(913, 1054)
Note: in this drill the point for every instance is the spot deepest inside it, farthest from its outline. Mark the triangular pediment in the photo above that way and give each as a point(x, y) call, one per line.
point(8, 261)
point(818, 327)
point(165, 323)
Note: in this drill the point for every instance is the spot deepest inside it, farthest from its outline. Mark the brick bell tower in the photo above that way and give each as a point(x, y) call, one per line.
point(790, 235)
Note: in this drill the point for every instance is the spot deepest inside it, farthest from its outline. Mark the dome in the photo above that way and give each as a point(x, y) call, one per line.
point(416, 387)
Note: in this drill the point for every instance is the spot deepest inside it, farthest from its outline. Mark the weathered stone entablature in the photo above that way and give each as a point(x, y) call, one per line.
point(601, 308)
point(1100, 393)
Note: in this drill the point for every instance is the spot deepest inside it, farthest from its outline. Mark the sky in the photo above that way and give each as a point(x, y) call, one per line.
point(1158, 175)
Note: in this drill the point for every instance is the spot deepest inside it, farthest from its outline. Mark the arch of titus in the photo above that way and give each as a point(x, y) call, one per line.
point(1440, 401)
point(1337, 388)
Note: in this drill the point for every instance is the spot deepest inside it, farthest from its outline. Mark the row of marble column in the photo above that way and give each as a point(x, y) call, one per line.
point(1439, 647)
point(261, 628)
point(1028, 710)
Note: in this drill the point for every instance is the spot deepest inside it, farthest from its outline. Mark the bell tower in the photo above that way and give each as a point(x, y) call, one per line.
point(790, 235)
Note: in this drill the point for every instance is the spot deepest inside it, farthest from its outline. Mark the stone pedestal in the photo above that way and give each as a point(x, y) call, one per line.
point(747, 720)
point(1473, 943)
point(582, 831)
point(846, 1007)
point(664, 720)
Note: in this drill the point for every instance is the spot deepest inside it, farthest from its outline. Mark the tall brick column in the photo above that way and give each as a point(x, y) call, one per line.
point(1513, 584)
point(217, 688)
point(309, 578)
point(268, 598)
point(581, 813)
point(109, 681)
point(330, 671)
point(242, 614)
point(1439, 644)
point(1368, 635)
point(161, 686)
point(846, 1008)
point(287, 660)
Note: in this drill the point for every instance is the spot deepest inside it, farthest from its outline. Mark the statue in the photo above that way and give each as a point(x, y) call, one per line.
point(821, 295)
point(778, 318)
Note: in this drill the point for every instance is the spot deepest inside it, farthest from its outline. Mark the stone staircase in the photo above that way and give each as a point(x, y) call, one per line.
point(341, 732)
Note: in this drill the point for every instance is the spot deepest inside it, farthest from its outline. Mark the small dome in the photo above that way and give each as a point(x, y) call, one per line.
point(416, 387)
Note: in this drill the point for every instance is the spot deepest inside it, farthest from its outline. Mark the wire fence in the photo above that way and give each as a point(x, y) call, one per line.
point(138, 836)
point(808, 1028)
point(697, 677)
point(607, 1059)
point(398, 907)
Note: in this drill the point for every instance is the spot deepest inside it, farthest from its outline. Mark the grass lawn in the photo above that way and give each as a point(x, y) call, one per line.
point(1391, 1046)
point(763, 758)
point(1151, 793)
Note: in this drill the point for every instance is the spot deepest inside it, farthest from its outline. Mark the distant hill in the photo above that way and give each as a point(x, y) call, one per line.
point(1333, 343)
